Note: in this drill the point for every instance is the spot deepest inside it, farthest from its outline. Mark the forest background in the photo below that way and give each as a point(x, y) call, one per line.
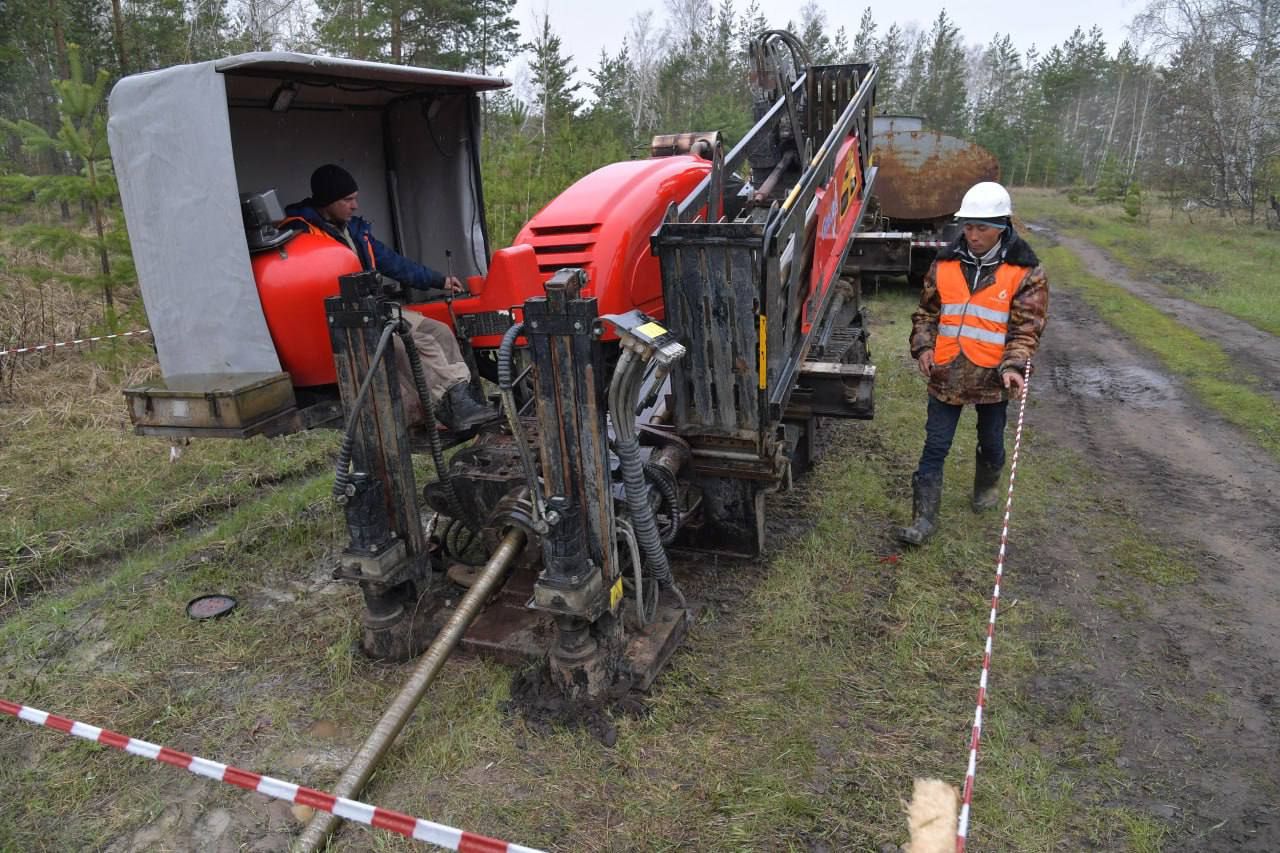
point(1184, 113)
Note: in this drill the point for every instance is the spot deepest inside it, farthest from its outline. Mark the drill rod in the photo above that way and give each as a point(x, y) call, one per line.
point(375, 747)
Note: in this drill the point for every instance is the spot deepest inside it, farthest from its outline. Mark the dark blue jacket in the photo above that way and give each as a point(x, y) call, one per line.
point(388, 261)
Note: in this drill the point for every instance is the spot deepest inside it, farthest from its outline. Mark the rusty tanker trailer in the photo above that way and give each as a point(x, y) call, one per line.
point(922, 176)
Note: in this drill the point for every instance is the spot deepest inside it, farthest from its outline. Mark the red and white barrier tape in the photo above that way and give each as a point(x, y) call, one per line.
point(76, 342)
point(962, 830)
point(416, 828)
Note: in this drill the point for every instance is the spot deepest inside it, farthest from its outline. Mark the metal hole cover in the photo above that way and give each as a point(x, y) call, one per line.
point(210, 606)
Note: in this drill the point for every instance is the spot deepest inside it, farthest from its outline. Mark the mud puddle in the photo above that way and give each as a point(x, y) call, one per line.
point(544, 708)
point(1128, 385)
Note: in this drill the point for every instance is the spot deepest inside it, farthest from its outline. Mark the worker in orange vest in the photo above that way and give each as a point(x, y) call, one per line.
point(981, 314)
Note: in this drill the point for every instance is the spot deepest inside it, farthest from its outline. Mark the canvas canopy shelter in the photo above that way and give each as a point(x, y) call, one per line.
point(187, 140)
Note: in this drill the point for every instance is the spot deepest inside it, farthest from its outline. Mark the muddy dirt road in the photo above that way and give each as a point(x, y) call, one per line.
point(1255, 351)
point(1189, 680)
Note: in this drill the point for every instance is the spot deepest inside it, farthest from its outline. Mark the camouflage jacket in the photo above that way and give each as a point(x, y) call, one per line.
point(962, 381)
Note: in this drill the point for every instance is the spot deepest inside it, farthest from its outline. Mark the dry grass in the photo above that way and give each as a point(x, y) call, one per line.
point(35, 311)
point(1221, 384)
point(1211, 260)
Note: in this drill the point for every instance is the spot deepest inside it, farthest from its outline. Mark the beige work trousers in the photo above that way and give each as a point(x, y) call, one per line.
point(441, 362)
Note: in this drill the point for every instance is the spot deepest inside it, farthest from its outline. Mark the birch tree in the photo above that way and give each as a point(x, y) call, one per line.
point(1226, 54)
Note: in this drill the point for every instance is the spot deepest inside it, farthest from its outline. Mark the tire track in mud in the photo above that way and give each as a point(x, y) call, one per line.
point(1188, 681)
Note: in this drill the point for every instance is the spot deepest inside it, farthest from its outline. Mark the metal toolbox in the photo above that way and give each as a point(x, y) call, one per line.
point(226, 405)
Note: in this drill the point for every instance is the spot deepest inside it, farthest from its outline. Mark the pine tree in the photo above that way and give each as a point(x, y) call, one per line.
point(752, 23)
point(494, 37)
point(726, 105)
point(555, 90)
point(81, 138)
point(155, 35)
point(912, 81)
point(608, 116)
point(813, 34)
point(508, 163)
point(942, 98)
point(354, 28)
point(456, 35)
point(997, 99)
point(863, 47)
point(562, 155)
point(890, 55)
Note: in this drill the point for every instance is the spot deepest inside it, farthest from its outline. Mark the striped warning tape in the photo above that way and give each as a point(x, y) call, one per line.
point(962, 831)
point(928, 244)
point(74, 343)
point(416, 828)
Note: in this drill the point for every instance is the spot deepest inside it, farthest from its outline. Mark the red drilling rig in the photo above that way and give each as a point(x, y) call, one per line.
point(664, 337)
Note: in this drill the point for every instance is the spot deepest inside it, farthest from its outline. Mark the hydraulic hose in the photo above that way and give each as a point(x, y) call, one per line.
point(642, 518)
point(342, 474)
point(646, 595)
point(458, 540)
point(433, 434)
point(505, 380)
point(664, 480)
point(623, 391)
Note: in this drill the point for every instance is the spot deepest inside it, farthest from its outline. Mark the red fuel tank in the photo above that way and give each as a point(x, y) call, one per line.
point(293, 282)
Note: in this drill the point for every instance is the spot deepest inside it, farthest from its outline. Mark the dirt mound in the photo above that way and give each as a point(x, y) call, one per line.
point(537, 699)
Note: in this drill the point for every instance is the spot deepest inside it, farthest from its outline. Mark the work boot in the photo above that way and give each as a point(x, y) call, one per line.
point(986, 485)
point(926, 498)
point(459, 410)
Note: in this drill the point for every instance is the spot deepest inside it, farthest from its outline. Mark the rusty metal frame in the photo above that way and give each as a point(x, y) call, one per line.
point(721, 281)
point(790, 223)
point(580, 562)
point(691, 208)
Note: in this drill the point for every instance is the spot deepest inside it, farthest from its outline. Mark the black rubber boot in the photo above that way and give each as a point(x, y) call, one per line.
point(926, 498)
point(986, 485)
point(461, 412)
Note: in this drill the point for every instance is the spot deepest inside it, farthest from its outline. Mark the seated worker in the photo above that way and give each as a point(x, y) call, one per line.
point(331, 210)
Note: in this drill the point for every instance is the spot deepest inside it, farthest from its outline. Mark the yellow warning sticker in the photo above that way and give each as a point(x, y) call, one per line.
point(651, 330)
point(615, 594)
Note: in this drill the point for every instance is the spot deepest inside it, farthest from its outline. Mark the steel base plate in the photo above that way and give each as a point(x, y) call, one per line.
point(649, 650)
point(509, 632)
point(506, 630)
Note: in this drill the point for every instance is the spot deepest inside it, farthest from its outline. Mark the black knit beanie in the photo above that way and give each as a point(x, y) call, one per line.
point(330, 183)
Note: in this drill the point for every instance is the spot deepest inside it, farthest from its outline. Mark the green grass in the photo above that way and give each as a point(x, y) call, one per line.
point(795, 716)
point(1205, 368)
point(1211, 261)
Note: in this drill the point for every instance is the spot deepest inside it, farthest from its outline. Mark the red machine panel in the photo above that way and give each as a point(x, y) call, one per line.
point(602, 224)
point(838, 205)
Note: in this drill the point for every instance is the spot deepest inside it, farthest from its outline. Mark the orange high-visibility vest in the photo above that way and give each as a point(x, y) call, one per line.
point(974, 323)
point(312, 229)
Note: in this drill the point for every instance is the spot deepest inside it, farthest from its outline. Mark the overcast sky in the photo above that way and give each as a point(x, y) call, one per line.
point(585, 26)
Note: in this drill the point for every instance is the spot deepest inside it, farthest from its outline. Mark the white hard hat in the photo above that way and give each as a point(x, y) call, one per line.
point(987, 200)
